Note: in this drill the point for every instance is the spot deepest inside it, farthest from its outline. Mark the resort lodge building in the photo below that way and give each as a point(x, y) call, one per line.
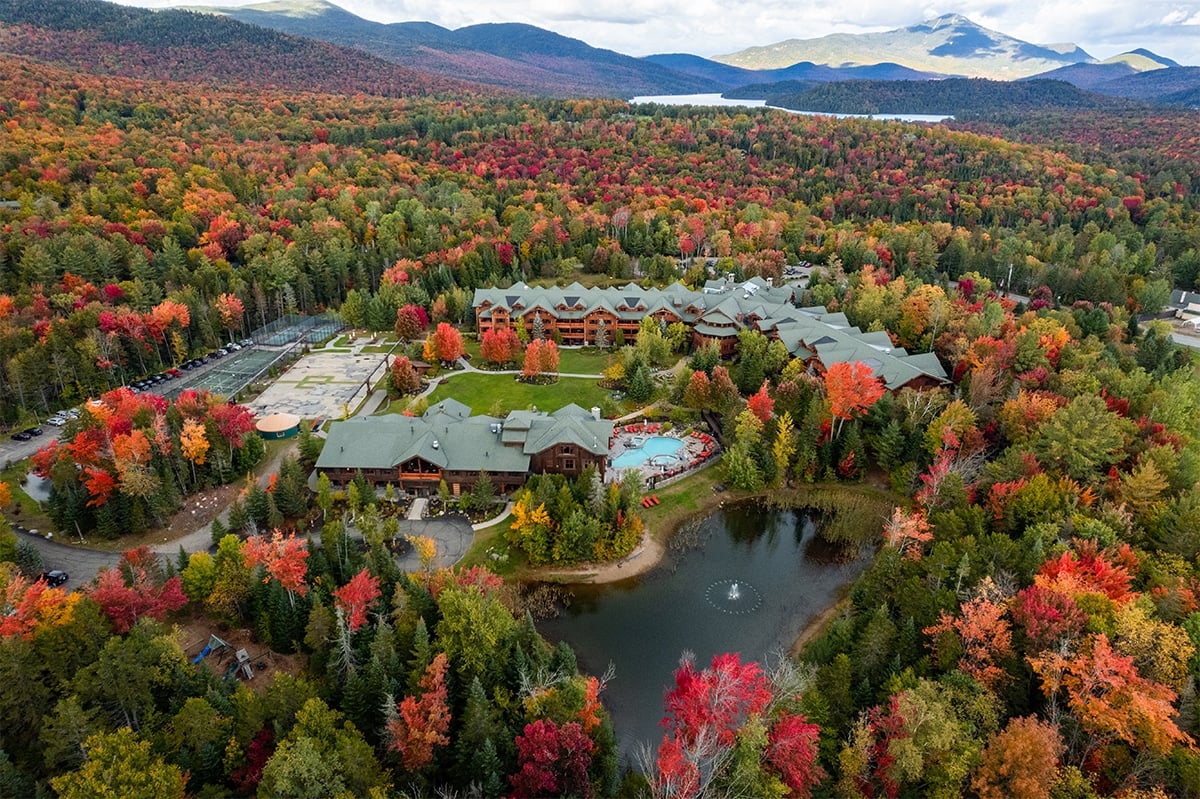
point(447, 443)
point(715, 314)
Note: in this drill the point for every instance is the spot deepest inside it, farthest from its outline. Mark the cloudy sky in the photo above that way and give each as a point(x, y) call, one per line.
point(712, 27)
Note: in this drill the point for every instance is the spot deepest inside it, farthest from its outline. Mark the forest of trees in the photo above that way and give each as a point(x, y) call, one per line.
point(1028, 628)
point(129, 194)
point(953, 96)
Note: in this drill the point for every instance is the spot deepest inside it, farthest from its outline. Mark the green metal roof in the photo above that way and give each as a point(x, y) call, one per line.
point(455, 441)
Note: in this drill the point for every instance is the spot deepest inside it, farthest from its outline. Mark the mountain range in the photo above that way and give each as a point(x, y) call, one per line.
point(525, 58)
point(318, 45)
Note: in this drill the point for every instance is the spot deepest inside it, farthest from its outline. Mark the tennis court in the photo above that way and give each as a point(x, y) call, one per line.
point(228, 375)
point(292, 328)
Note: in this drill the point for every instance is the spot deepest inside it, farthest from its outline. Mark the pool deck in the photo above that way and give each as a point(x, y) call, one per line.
point(695, 450)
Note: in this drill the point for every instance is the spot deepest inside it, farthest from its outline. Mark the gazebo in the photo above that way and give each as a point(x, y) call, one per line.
point(278, 425)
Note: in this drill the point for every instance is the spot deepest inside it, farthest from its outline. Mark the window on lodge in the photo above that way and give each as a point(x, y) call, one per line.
point(566, 449)
point(569, 464)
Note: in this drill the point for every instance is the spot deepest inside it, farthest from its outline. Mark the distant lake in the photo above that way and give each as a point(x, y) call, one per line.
point(718, 100)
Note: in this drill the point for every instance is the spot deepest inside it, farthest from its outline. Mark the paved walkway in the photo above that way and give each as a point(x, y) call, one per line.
point(416, 511)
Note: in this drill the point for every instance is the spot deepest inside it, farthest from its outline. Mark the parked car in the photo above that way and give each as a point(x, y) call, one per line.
point(55, 577)
point(21, 436)
point(34, 431)
point(172, 373)
point(73, 413)
point(247, 342)
point(233, 347)
point(56, 421)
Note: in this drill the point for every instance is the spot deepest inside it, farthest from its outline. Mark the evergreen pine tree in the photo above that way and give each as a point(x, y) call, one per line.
point(274, 516)
point(366, 491)
point(422, 656)
point(362, 701)
point(239, 517)
point(219, 530)
point(258, 506)
point(487, 767)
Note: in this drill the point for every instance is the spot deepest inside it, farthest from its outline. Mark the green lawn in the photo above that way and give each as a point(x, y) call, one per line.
point(491, 541)
point(485, 393)
point(587, 361)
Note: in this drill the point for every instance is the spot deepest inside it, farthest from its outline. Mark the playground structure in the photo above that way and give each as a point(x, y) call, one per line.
point(239, 660)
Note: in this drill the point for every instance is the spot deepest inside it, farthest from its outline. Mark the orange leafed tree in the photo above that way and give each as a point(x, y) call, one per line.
point(27, 604)
point(421, 724)
point(447, 343)
point(1020, 761)
point(761, 404)
point(852, 389)
point(985, 635)
point(1110, 698)
point(231, 310)
point(285, 559)
point(907, 532)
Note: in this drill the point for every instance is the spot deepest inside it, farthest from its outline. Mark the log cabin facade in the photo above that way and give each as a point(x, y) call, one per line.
point(715, 314)
point(415, 454)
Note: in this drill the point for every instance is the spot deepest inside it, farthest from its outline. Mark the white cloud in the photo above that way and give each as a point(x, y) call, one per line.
point(710, 27)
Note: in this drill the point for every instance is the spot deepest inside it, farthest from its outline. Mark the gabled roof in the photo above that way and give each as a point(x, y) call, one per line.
point(579, 429)
point(824, 334)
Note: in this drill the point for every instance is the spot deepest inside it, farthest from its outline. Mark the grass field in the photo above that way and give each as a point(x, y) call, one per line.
point(487, 393)
point(585, 361)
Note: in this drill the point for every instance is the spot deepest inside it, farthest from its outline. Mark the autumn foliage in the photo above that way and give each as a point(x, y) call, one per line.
point(283, 558)
point(134, 589)
point(357, 597)
point(422, 722)
point(852, 388)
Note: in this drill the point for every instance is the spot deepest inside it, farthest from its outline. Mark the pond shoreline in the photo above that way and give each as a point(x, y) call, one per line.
point(652, 549)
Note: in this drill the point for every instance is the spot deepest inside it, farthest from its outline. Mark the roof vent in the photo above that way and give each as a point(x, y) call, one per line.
point(435, 444)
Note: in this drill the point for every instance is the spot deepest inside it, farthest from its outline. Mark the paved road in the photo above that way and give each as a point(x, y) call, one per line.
point(82, 564)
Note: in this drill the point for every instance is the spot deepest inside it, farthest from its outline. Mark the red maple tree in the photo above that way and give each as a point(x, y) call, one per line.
point(356, 597)
point(553, 760)
point(761, 404)
point(134, 589)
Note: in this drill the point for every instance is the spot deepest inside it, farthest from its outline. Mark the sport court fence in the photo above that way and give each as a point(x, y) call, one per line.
point(236, 371)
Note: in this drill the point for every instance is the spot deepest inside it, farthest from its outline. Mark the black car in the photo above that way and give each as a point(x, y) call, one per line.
point(21, 436)
point(34, 431)
point(55, 577)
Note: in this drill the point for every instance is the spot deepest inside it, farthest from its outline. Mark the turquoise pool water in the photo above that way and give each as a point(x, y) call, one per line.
point(651, 448)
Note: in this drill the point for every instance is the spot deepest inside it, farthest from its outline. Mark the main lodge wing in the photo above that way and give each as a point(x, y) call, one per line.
point(447, 443)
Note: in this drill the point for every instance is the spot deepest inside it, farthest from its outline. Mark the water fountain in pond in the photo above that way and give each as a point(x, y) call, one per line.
point(736, 597)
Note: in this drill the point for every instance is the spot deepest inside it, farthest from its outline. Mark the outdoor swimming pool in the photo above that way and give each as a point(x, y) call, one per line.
point(651, 449)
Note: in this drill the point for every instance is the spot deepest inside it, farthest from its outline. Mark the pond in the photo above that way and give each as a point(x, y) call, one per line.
point(748, 579)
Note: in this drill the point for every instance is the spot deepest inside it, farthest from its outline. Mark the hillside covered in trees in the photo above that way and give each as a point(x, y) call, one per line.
point(128, 193)
point(1029, 627)
point(951, 96)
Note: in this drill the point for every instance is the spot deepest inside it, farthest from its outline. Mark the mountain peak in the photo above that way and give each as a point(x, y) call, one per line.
point(950, 45)
point(951, 19)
